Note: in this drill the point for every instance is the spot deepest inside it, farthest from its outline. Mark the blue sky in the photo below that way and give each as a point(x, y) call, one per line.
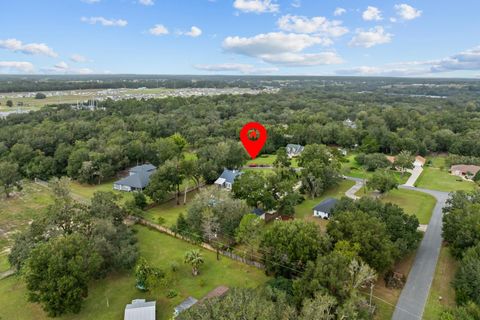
point(437, 38)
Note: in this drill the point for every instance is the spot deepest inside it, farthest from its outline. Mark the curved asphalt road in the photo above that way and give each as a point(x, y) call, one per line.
point(414, 295)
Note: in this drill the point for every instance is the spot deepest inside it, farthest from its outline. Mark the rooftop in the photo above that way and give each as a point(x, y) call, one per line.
point(326, 206)
point(139, 309)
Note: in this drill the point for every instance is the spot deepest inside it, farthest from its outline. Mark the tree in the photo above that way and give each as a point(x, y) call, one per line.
point(382, 181)
point(372, 161)
point(249, 232)
point(243, 304)
point(9, 177)
point(253, 188)
point(321, 307)
point(288, 246)
point(140, 200)
point(40, 95)
point(470, 311)
point(165, 180)
point(9, 103)
point(58, 273)
point(314, 151)
point(404, 160)
point(195, 259)
point(146, 276)
point(282, 160)
point(467, 278)
point(318, 177)
point(369, 232)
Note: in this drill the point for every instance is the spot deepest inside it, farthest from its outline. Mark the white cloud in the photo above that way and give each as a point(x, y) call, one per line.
point(78, 58)
point(282, 48)
point(158, 30)
point(63, 68)
point(234, 67)
point(318, 25)
point(194, 32)
point(296, 3)
point(90, 1)
point(339, 11)
point(407, 12)
point(468, 60)
point(256, 6)
point(27, 48)
point(105, 22)
point(371, 37)
point(146, 2)
point(372, 14)
point(292, 59)
point(16, 66)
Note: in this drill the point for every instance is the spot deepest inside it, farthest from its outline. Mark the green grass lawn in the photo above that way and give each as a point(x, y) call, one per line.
point(413, 202)
point(17, 212)
point(436, 179)
point(441, 286)
point(108, 297)
point(268, 160)
point(353, 169)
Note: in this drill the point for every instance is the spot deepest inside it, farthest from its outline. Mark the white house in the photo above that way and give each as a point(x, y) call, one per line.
point(139, 309)
point(325, 208)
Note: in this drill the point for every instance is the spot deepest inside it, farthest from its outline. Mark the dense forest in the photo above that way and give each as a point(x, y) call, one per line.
point(58, 140)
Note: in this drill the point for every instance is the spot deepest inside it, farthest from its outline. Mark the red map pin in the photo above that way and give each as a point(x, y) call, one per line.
point(253, 136)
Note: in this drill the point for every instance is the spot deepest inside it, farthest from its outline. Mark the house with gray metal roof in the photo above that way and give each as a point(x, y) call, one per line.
point(325, 208)
point(294, 150)
point(140, 309)
point(137, 179)
point(227, 178)
point(186, 304)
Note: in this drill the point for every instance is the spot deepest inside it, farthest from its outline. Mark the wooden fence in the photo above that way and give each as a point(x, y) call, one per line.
point(204, 245)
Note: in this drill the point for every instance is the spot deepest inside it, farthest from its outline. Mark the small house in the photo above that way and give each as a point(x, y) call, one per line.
point(186, 304)
point(464, 170)
point(138, 178)
point(140, 309)
point(227, 178)
point(325, 208)
point(349, 124)
point(294, 150)
point(419, 161)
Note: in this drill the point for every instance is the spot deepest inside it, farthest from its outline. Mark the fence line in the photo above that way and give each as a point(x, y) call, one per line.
point(204, 245)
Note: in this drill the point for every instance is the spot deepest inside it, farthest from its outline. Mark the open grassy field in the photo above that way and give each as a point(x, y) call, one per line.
point(108, 297)
point(17, 212)
point(437, 179)
point(413, 202)
point(441, 286)
point(268, 160)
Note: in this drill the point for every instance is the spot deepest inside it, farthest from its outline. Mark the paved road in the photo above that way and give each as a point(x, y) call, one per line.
point(354, 189)
point(414, 295)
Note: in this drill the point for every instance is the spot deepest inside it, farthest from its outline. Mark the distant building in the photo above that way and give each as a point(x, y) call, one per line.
point(325, 208)
point(186, 304)
point(350, 124)
point(294, 150)
point(138, 178)
point(139, 309)
point(227, 178)
point(464, 170)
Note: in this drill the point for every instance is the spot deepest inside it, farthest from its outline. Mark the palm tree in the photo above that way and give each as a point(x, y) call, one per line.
point(194, 258)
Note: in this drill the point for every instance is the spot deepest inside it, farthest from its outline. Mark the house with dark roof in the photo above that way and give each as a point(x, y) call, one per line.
point(227, 178)
point(294, 150)
point(140, 309)
point(325, 208)
point(137, 179)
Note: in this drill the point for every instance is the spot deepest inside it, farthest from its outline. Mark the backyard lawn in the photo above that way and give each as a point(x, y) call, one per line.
point(441, 286)
point(17, 212)
point(268, 160)
point(413, 202)
point(108, 297)
point(437, 179)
